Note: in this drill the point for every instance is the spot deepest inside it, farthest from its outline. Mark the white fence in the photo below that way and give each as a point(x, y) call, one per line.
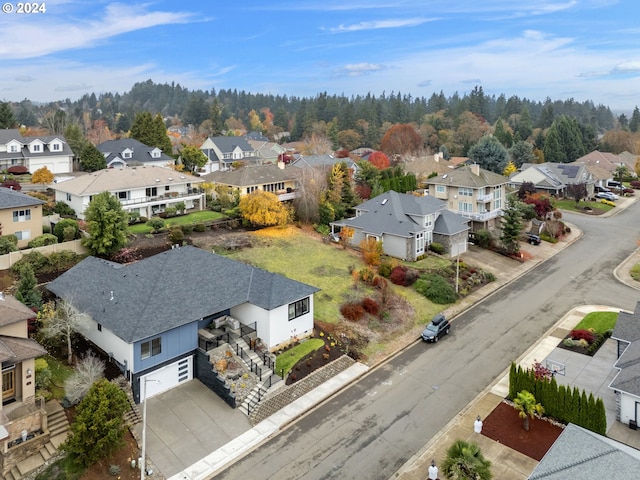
point(7, 260)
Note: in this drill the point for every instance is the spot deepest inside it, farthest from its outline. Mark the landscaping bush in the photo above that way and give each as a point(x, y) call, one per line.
point(11, 184)
point(635, 184)
point(18, 170)
point(176, 235)
point(384, 269)
point(187, 229)
point(155, 223)
point(579, 334)
point(352, 311)
point(380, 283)
point(66, 229)
point(403, 275)
point(8, 243)
point(568, 342)
point(436, 289)
point(64, 210)
point(436, 247)
point(484, 239)
point(371, 306)
point(199, 227)
point(43, 240)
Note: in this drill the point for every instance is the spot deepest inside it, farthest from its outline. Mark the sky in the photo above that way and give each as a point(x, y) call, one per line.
point(561, 49)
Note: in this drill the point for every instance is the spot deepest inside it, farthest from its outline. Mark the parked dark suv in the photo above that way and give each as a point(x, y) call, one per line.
point(533, 239)
point(438, 327)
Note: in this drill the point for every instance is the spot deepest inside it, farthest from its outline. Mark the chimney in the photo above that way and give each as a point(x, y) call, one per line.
point(475, 169)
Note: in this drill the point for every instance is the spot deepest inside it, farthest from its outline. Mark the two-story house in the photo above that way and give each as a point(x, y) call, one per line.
point(554, 178)
point(222, 152)
point(20, 215)
point(473, 192)
point(269, 178)
point(132, 153)
point(146, 190)
point(34, 153)
point(406, 225)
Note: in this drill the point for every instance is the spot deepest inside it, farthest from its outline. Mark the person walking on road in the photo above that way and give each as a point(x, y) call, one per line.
point(433, 471)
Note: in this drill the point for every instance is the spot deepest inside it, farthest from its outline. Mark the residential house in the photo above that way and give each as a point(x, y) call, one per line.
point(606, 160)
point(580, 453)
point(20, 215)
point(146, 190)
point(630, 160)
point(51, 151)
point(554, 178)
point(268, 152)
point(323, 163)
point(18, 352)
point(129, 152)
point(222, 152)
point(626, 383)
point(269, 178)
point(146, 315)
point(473, 192)
point(427, 165)
point(406, 225)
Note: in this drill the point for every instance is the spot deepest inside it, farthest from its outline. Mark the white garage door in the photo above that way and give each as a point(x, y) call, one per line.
point(166, 378)
point(458, 248)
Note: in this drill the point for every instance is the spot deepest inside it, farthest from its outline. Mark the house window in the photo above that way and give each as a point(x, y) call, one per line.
point(428, 220)
point(299, 308)
point(441, 189)
point(14, 148)
point(22, 215)
point(465, 207)
point(36, 147)
point(420, 243)
point(99, 327)
point(151, 348)
point(126, 154)
point(68, 197)
point(251, 190)
point(23, 234)
point(56, 147)
point(465, 192)
point(151, 192)
point(166, 188)
point(122, 195)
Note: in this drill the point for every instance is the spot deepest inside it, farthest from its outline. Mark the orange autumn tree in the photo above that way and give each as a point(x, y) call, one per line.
point(371, 251)
point(42, 175)
point(346, 234)
point(379, 160)
point(263, 209)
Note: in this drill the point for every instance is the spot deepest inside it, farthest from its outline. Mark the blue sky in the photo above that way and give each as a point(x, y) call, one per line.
point(581, 49)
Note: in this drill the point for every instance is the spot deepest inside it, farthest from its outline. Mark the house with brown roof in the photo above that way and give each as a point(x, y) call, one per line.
point(146, 190)
point(606, 160)
point(283, 181)
point(425, 166)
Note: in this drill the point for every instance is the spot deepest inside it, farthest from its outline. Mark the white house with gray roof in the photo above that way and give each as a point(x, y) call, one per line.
point(133, 153)
point(222, 152)
point(51, 151)
point(406, 225)
point(146, 315)
point(554, 178)
point(147, 190)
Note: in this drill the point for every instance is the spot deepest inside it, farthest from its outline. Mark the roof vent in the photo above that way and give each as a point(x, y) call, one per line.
point(157, 179)
point(444, 176)
point(384, 200)
point(111, 296)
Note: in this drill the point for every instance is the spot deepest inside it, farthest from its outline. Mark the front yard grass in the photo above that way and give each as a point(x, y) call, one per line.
point(570, 205)
point(287, 359)
point(59, 373)
point(601, 322)
point(190, 218)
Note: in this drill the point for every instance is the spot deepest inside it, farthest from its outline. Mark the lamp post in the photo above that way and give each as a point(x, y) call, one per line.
point(143, 467)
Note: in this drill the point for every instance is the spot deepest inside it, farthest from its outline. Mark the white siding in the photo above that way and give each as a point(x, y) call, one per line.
point(121, 351)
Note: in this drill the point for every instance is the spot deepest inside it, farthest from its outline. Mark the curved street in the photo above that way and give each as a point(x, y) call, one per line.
point(372, 428)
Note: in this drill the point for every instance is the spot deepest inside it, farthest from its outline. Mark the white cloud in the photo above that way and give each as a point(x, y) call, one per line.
point(378, 24)
point(57, 35)
point(631, 66)
point(358, 69)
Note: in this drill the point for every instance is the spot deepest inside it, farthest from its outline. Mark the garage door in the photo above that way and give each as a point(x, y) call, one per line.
point(458, 248)
point(166, 377)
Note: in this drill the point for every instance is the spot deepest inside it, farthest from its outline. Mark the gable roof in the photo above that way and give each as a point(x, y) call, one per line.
point(16, 349)
point(251, 175)
point(450, 223)
point(140, 300)
point(468, 176)
point(605, 160)
point(13, 311)
point(115, 179)
point(627, 326)
point(141, 153)
point(424, 166)
point(580, 453)
point(9, 134)
point(627, 330)
point(229, 144)
point(326, 160)
point(10, 198)
point(392, 212)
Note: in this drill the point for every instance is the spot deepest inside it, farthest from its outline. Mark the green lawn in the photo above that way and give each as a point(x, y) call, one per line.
point(599, 321)
point(326, 266)
point(59, 373)
point(195, 217)
point(286, 360)
point(570, 205)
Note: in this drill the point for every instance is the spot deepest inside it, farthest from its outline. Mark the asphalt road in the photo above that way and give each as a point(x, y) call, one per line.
point(370, 429)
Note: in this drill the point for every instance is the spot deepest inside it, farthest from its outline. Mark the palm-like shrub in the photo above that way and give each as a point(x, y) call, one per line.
point(464, 461)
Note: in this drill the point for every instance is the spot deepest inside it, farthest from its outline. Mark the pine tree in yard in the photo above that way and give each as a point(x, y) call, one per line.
point(107, 225)
point(511, 225)
point(28, 292)
point(98, 427)
point(92, 159)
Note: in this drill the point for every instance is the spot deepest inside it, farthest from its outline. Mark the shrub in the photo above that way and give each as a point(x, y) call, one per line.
point(322, 229)
point(199, 227)
point(43, 374)
point(143, 219)
point(186, 229)
point(436, 289)
point(18, 170)
point(371, 306)
point(568, 342)
point(63, 209)
point(484, 239)
point(384, 269)
point(581, 343)
point(436, 247)
point(580, 334)
point(43, 240)
point(11, 184)
point(352, 311)
point(635, 184)
point(89, 370)
point(8, 243)
point(66, 229)
point(155, 223)
point(176, 235)
point(607, 202)
point(36, 260)
point(403, 275)
point(380, 283)
point(367, 274)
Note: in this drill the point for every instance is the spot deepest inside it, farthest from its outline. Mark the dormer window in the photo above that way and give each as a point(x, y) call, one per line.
point(126, 154)
point(13, 149)
point(155, 153)
point(36, 147)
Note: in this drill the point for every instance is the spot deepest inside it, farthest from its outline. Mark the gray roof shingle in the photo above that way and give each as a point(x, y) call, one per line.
point(13, 199)
point(169, 290)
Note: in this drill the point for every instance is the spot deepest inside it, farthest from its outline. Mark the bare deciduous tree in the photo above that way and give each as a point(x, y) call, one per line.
point(63, 322)
point(90, 369)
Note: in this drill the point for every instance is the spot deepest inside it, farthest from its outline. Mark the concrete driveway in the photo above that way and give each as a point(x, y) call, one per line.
point(186, 424)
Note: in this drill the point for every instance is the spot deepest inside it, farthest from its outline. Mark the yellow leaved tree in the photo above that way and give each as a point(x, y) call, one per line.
point(263, 209)
point(42, 175)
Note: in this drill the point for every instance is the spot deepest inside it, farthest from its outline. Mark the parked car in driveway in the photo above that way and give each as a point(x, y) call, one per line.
point(607, 196)
point(533, 239)
point(438, 327)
